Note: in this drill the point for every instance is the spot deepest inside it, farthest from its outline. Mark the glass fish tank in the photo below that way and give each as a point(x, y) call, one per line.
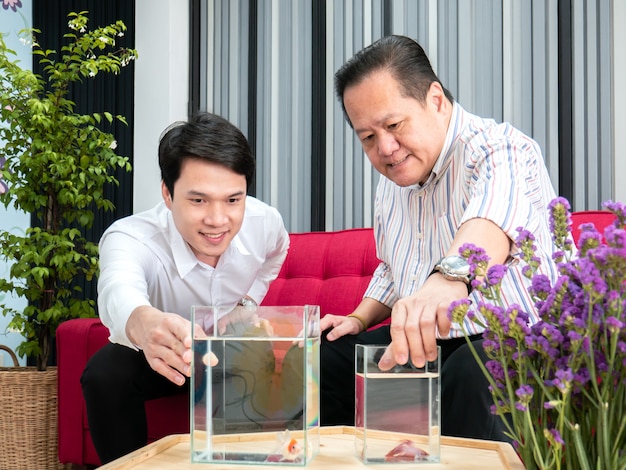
point(397, 412)
point(255, 385)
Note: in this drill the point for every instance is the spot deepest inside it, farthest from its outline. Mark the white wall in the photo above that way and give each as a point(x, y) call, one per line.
point(619, 99)
point(161, 88)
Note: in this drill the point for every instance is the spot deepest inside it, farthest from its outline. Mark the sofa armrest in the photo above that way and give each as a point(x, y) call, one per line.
point(77, 340)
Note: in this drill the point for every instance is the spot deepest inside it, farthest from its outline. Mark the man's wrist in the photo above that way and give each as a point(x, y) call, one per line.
point(360, 319)
point(454, 268)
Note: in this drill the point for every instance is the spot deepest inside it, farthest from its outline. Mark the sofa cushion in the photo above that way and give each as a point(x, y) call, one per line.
point(600, 220)
point(329, 269)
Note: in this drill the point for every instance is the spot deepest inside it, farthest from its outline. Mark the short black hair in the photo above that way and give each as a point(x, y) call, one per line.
point(207, 137)
point(402, 56)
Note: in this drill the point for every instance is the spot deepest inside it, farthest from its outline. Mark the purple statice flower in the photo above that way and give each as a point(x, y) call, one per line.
point(458, 310)
point(563, 380)
point(490, 343)
point(558, 256)
point(561, 224)
point(554, 437)
point(600, 361)
point(591, 279)
point(496, 370)
point(616, 238)
point(619, 209)
point(581, 378)
point(589, 238)
point(495, 274)
point(552, 302)
point(476, 257)
point(525, 242)
point(540, 286)
point(614, 325)
point(550, 405)
point(613, 302)
point(524, 395)
point(540, 344)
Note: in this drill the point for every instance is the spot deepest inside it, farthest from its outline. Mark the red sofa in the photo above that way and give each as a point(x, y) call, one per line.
point(329, 269)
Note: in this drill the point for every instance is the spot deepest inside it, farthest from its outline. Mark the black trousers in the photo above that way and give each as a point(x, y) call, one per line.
point(465, 398)
point(117, 382)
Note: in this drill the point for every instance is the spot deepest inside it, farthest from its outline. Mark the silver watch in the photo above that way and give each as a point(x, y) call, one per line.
point(248, 303)
point(454, 268)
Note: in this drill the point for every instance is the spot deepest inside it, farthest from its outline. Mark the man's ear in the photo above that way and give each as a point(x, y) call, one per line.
point(436, 96)
point(167, 197)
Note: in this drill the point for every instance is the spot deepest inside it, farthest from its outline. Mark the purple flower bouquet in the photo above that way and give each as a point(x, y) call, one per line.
point(560, 383)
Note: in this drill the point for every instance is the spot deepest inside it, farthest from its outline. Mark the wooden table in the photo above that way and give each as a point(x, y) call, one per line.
point(336, 453)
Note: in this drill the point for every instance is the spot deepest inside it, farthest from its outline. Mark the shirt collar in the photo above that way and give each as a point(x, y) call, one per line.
point(446, 154)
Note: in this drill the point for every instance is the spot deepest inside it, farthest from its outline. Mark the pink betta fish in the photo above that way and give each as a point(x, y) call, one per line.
point(406, 451)
point(287, 449)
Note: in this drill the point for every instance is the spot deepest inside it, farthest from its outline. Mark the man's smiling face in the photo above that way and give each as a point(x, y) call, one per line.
point(401, 136)
point(207, 207)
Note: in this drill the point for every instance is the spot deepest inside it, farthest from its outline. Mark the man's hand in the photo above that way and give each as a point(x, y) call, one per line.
point(369, 312)
point(416, 319)
point(165, 339)
point(339, 326)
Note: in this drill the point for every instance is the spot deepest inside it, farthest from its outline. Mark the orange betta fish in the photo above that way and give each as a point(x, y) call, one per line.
point(292, 450)
point(287, 449)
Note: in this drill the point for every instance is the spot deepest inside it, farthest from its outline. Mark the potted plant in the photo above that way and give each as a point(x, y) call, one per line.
point(54, 164)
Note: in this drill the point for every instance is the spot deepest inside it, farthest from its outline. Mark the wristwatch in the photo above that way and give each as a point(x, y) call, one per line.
point(454, 268)
point(248, 303)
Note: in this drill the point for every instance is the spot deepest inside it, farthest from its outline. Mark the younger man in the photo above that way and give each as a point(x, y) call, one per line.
point(207, 243)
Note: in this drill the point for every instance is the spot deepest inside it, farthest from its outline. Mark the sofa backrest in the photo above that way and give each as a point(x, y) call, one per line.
point(329, 269)
point(600, 220)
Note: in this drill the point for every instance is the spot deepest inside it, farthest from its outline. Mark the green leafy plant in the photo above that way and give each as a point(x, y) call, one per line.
point(55, 164)
point(559, 383)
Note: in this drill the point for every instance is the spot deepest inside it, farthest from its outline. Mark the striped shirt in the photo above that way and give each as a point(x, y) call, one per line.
point(485, 170)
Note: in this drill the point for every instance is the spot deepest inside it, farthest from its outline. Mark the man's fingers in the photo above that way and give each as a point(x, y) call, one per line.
point(399, 344)
point(328, 321)
point(443, 322)
point(387, 361)
point(161, 367)
point(417, 342)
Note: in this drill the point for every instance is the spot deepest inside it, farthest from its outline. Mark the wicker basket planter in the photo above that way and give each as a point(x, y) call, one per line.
point(28, 417)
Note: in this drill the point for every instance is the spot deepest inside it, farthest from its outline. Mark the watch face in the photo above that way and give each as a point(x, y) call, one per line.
point(456, 265)
point(248, 304)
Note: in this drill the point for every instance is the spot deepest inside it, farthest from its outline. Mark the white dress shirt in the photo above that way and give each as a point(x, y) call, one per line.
point(485, 170)
point(145, 261)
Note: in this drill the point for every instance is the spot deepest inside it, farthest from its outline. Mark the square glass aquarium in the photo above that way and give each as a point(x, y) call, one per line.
point(396, 411)
point(255, 385)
